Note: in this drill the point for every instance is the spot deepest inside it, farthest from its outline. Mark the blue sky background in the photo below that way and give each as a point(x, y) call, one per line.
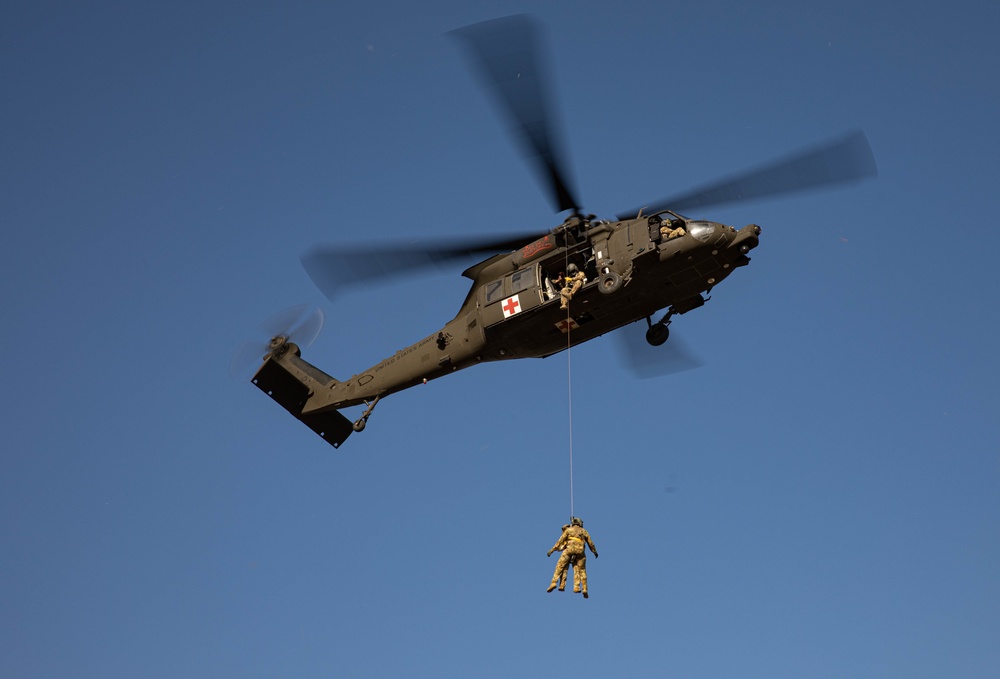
point(819, 500)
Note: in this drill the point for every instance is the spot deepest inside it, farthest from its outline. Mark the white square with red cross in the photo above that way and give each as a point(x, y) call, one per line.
point(511, 306)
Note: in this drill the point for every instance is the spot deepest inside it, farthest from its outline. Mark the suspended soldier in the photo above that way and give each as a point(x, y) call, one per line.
point(572, 542)
point(571, 284)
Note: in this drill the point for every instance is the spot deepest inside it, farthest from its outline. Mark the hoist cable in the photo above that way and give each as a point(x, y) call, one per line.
point(569, 390)
point(569, 385)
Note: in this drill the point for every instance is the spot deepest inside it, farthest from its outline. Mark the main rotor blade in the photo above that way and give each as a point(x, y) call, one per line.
point(648, 362)
point(506, 52)
point(847, 159)
point(334, 268)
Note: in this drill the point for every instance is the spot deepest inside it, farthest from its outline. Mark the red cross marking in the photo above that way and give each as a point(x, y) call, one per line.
point(510, 306)
point(566, 325)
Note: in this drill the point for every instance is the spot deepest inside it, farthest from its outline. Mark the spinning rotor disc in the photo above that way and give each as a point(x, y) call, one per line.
point(300, 324)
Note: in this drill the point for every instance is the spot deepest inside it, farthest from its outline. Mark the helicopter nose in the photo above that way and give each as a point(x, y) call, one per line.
point(747, 238)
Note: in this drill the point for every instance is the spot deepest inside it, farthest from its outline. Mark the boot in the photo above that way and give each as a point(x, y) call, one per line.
point(551, 586)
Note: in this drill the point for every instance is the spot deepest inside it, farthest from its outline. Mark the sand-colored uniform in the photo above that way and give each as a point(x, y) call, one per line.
point(571, 543)
point(562, 575)
point(668, 231)
point(571, 285)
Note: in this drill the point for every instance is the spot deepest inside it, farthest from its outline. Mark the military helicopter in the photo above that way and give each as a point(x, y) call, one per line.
point(645, 263)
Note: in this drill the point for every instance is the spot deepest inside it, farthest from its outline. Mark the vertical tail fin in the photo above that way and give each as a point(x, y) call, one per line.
point(292, 390)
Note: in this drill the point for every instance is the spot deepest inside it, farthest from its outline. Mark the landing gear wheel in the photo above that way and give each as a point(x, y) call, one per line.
point(609, 282)
point(359, 426)
point(657, 334)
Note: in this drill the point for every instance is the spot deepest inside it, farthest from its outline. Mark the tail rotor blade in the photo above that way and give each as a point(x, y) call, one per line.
point(300, 324)
point(307, 329)
point(282, 322)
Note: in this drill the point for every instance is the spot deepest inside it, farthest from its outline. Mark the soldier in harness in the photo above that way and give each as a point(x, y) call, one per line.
point(572, 283)
point(572, 542)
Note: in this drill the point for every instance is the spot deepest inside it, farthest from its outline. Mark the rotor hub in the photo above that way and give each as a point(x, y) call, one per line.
point(278, 345)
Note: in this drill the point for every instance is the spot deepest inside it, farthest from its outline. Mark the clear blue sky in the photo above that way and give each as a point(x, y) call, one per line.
point(819, 500)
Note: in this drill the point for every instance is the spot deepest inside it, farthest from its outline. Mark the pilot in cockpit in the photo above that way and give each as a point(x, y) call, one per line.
point(671, 229)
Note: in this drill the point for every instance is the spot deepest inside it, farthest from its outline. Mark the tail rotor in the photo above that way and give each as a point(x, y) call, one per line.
point(300, 324)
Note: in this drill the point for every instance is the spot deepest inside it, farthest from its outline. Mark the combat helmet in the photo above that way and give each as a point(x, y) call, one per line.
point(577, 521)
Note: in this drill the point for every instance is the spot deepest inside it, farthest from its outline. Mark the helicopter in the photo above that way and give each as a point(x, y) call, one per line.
point(647, 264)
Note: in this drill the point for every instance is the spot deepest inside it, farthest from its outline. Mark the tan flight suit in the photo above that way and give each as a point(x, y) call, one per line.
point(572, 542)
point(562, 576)
point(576, 578)
point(570, 287)
point(667, 231)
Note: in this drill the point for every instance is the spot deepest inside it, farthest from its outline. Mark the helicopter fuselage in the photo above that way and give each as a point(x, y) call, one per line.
point(634, 268)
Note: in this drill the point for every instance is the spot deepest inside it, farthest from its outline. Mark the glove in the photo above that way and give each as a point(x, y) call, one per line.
point(595, 555)
point(550, 553)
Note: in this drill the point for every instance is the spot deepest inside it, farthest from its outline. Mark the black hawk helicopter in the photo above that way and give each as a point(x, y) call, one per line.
point(645, 261)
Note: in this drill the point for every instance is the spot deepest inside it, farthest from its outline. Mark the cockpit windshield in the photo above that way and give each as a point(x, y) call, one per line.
point(701, 229)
